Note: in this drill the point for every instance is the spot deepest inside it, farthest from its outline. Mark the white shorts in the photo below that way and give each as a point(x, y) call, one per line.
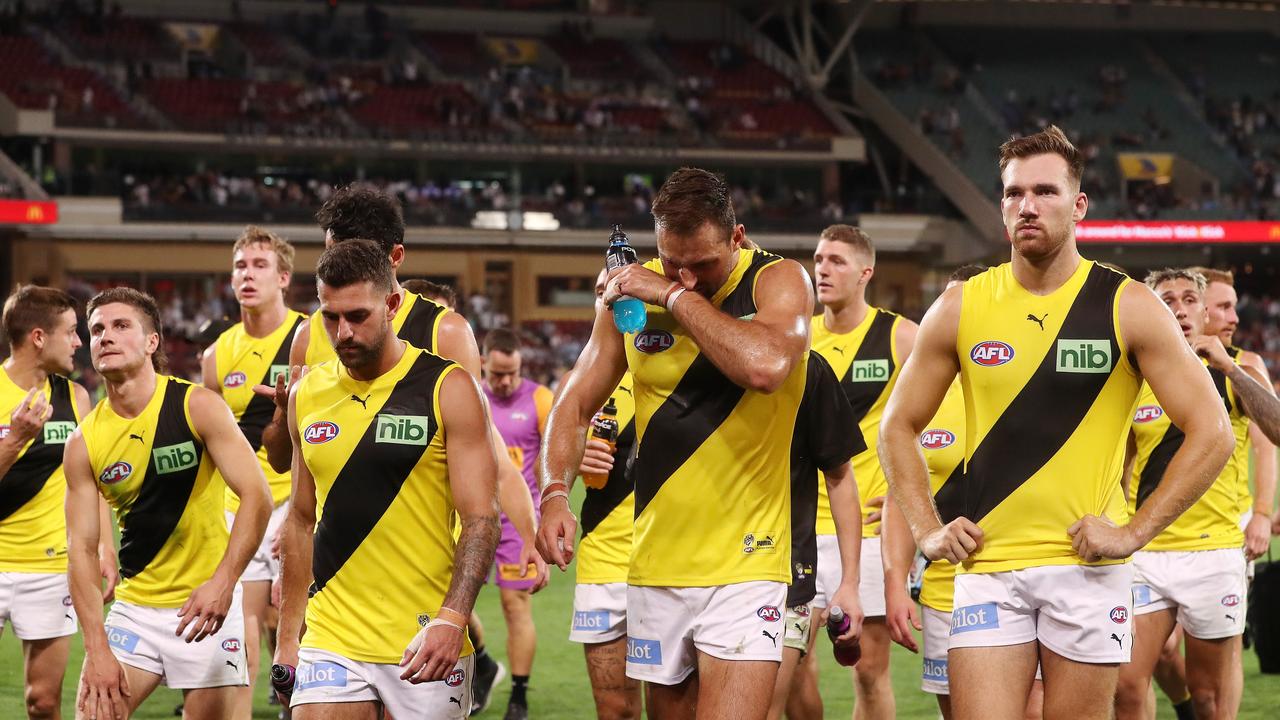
point(38, 605)
point(1080, 612)
point(262, 567)
point(937, 628)
point(1207, 589)
point(799, 630)
point(870, 575)
point(1244, 525)
point(142, 637)
point(668, 626)
point(325, 677)
point(599, 612)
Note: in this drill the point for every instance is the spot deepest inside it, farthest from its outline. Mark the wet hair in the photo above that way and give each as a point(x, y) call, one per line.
point(363, 212)
point(692, 197)
point(1050, 141)
point(355, 261)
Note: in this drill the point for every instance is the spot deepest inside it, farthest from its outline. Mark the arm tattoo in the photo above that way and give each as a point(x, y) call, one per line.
point(471, 561)
point(1260, 405)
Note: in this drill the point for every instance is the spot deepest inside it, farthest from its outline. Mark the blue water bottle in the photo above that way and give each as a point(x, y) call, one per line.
point(629, 314)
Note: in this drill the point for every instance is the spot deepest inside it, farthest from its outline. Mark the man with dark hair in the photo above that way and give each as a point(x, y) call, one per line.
point(1048, 350)
point(520, 408)
point(434, 291)
point(719, 373)
point(39, 408)
point(389, 443)
point(151, 449)
point(363, 211)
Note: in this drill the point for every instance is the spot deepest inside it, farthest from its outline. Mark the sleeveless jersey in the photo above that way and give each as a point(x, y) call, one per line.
point(1049, 392)
point(608, 513)
point(709, 449)
point(33, 524)
point(417, 323)
point(826, 436)
point(867, 364)
point(521, 420)
point(242, 362)
point(943, 446)
point(154, 472)
point(1244, 447)
point(1213, 522)
point(384, 543)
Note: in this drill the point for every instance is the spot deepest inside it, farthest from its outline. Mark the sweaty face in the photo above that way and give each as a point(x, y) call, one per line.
point(502, 372)
point(60, 345)
point(601, 281)
point(1184, 299)
point(840, 272)
point(357, 318)
point(1041, 204)
point(120, 340)
point(705, 253)
point(256, 277)
point(1220, 299)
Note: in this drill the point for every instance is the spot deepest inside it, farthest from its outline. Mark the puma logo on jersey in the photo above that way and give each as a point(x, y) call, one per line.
point(234, 666)
point(133, 436)
point(625, 389)
point(838, 349)
point(1037, 320)
point(773, 637)
point(458, 701)
point(255, 352)
point(363, 401)
point(1119, 640)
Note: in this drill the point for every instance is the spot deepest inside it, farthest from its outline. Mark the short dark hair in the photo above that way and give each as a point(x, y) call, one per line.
point(692, 197)
point(361, 211)
point(31, 307)
point(146, 307)
point(854, 237)
point(503, 340)
point(964, 272)
point(444, 294)
point(355, 261)
point(1050, 141)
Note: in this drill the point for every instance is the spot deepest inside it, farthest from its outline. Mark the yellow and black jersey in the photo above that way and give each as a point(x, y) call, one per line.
point(826, 437)
point(417, 322)
point(867, 364)
point(33, 525)
point(384, 541)
point(943, 444)
point(608, 513)
point(1239, 461)
point(1049, 390)
point(244, 361)
point(154, 472)
point(1213, 522)
point(709, 448)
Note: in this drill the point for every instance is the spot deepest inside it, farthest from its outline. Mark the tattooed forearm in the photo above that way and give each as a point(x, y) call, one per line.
point(471, 561)
point(1261, 406)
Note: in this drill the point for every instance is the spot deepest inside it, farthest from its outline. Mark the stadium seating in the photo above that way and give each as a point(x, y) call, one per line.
point(32, 80)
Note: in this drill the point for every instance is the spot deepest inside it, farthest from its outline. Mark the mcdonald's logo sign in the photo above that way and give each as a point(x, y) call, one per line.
point(27, 212)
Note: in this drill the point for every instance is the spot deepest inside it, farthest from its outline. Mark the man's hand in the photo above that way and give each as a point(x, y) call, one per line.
point(901, 615)
point(277, 540)
point(277, 587)
point(846, 598)
point(1257, 536)
point(597, 460)
point(557, 531)
point(286, 654)
point(280, 392)
point(29, 417)
point(431, 654)
point(529, 555)
point(109, 568)
point(205, 610)
point(1210, 348)
point(1097, 538)
point(875, 515)
point(103, 688)
point(953, 542)
point(641, 283)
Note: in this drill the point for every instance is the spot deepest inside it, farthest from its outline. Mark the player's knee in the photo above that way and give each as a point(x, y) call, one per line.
point(42, 702)
point(1131, 693)
point(1205, 701)
point(516, 603)
point(618, 704)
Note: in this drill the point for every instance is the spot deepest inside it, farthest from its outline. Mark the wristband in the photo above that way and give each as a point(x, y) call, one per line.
point(438, 621)
point(671, 299)
point(666, 294)
point(452, 616)
point(551, 496)
point(553, 487)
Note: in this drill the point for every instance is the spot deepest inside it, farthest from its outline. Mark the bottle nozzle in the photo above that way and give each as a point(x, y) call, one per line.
point(618, 235)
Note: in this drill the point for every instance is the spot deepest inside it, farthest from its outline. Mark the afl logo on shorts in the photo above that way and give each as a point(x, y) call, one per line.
point(231, 645)
point(990, 353)
point(455, 678)
point(1231, 600)
point(320, 432)
point(1119, 614)
point(769, 613)
point(937, 439)
point(234, 380)
point(654, 341)
point(115, 473)
point(1148, 413)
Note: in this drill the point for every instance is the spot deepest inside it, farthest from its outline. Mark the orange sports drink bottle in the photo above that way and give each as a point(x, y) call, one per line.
point(604, 426)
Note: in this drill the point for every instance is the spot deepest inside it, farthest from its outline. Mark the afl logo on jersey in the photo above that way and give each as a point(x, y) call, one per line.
point(234, 380)
point(1231, 600)
point(1119, 614)
point(654, 341)
point(1148, 413)
point(455, 678)
point(769, 613)
point(990, 353)
point(115, 473)
point(937, 439)
point(231, 645)
point(320, 432)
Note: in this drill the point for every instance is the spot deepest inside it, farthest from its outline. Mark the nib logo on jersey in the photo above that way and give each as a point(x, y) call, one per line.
point(644, 652)
point(403, 429)
point(56, 432)
point(321, 674)
point(869, 371)
point(1083, 356)
point(974, 617)
point(175, 458)
point(276, 372)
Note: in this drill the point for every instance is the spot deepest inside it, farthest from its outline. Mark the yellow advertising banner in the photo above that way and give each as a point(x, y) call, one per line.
point(1145, 166)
